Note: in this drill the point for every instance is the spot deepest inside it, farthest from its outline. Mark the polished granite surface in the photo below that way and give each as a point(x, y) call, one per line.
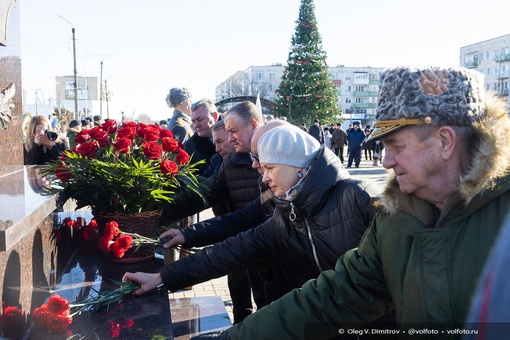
point(135, 317)
point(26, 222)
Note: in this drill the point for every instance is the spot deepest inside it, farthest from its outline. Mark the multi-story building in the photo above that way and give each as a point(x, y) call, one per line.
point(357, 88)
point(492, 58)
point(87, 94)
point(263, 80)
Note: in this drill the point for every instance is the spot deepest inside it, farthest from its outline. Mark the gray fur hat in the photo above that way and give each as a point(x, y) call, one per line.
point(434, 96)
point(288, 145)
point(177, 95)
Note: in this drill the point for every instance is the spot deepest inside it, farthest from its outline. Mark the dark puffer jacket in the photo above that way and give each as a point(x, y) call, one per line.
point(332, 213)
point(236, 183)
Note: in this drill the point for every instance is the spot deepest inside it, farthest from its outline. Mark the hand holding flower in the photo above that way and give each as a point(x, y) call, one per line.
point(147, 281)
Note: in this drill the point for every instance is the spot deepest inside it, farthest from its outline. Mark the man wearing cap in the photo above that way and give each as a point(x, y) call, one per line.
point(180, 123)
point(448, 145)
point(73, 129)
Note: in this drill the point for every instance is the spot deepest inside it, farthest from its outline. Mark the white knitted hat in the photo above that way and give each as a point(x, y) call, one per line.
point(288, 145)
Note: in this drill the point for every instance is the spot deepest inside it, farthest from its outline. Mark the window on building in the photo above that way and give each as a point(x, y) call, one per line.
point(271, 76)
point(347, 100)
point(487, 55)
point(487, 87)
point(496, 70)
point(488, 71)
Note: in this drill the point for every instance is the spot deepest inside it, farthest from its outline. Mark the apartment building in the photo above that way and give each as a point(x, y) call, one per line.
point(492, 58)
point(87, 93)
point(263, 80)
point(357, 88)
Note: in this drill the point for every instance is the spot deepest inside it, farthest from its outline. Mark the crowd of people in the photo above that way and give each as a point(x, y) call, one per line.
point(321, 251)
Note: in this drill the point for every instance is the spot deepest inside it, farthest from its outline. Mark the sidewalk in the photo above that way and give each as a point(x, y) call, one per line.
point(219, 287)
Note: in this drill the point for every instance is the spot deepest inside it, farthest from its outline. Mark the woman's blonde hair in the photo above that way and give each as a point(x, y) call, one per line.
point(36, 120)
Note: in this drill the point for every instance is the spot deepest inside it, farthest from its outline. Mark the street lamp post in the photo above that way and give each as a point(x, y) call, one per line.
point(75, 72)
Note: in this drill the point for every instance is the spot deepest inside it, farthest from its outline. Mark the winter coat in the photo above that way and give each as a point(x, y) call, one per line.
point(331, 212)
point(317, 132)
point(355, 139)
point(71, 134)
point(39, 155)
point(200, 148)
point(421, 262)
point(236, 182)
point(338, 138)
point(180, 125)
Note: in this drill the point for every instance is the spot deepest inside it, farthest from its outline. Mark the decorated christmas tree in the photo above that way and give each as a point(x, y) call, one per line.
point(306, 91)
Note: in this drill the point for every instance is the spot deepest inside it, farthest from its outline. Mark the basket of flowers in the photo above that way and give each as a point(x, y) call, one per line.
point(125, 173)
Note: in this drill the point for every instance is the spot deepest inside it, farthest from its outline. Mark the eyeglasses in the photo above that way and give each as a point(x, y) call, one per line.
point(255, 157)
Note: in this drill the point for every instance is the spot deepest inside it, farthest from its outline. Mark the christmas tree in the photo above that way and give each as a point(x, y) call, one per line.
point(306, 91)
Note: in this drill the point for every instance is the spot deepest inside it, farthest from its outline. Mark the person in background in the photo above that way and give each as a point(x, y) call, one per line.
point(355, 139)
point(443, 207)
point(327, 138)
point(200, 146)
point(41, 145)
point(316, 131)
point(97, 120)
point(84, 124)
point(338, 140)
point(72, 131)
point(163, 124)
point(377, 148)
point(223, 148)
point(320, 214)
point(180, 123)
point(368, 145)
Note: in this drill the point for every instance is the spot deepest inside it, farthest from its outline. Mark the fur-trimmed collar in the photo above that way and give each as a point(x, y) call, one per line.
point(490, 159)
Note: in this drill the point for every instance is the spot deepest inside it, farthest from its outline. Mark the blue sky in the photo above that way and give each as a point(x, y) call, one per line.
point(149, 46)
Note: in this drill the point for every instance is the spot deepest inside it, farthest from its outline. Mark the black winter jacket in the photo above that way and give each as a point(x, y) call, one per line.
point(236, 182)
point(200, 148)
point(332, 213)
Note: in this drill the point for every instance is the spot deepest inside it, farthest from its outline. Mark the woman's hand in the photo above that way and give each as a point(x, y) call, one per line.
point(175, 236)
point(147, 281)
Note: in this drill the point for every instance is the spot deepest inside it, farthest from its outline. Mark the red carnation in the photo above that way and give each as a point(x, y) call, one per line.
point(104, 244)
point(90, 232)
point(122, 145)
point(58, 305)
point(111, 229)
point(13, 320)
point(152, 150)
point(168, 167)
point(182, 157)
point(169, 144)
point(121, 245)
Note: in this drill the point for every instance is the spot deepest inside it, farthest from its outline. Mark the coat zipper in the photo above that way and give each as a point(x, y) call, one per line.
point(292, 217)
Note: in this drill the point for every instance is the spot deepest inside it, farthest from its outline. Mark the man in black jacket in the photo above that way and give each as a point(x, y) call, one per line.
point(238, 183)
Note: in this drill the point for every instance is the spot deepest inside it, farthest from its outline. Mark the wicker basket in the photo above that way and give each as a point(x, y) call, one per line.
point(144, 223)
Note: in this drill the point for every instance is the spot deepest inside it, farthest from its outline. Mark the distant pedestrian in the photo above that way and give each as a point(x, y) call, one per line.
point(355, 139)
point(316, 131)
point(338, 140)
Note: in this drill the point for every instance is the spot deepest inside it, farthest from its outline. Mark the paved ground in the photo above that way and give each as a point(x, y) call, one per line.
point(219, 286)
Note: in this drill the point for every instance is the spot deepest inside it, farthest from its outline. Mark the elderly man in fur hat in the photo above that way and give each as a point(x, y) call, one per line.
point(448, 145)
